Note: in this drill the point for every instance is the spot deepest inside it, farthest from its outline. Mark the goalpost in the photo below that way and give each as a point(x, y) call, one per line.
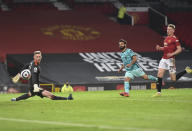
point(49, 87)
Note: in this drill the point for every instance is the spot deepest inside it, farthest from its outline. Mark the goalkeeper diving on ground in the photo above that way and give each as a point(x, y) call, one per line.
point(34, 88)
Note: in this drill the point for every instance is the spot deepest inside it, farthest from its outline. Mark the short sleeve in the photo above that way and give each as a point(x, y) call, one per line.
point(132, 53)
point(177, 43)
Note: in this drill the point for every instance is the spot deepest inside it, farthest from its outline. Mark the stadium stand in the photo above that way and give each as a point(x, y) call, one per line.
point(35, 30)
point(4, 79)
point(64, 28)
point(177, 12)
point(105, 7)
point(31, 6)
point(184, 27)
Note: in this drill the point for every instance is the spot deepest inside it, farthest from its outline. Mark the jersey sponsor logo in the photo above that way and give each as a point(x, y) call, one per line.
point(35, 69)
point(71, 32)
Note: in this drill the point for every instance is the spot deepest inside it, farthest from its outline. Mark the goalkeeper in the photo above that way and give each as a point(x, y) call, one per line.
point(34, 88)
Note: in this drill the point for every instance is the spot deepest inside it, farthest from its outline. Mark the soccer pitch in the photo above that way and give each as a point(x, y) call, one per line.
point(100, 111)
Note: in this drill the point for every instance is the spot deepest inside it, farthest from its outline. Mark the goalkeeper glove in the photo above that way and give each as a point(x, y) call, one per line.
point(36, 88)
point(16, 78)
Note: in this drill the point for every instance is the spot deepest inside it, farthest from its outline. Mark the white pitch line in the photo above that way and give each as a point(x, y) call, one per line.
point(80, 125)
point(161, 100)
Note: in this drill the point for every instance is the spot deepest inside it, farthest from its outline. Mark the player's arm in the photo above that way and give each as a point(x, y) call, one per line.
point(159, 48)
point(16, 78)
point(35, 80)
point(177, 51)
point(121, 68)
point(134, 59)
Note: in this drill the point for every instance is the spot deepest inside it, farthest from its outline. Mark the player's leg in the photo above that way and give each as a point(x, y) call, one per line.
point(173, 76)
point(22, 97)
point(172, 71)
point(180, 74)
point(163, 66)
point(128, 77)
point(140, 73)
point(160, 75)
point(149, 77)
point(53, 97)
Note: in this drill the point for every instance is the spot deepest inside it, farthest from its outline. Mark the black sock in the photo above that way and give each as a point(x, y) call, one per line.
point(59, 98)
point(180, 74)
point(159, 84)
point(23, 97)
point(173, 85)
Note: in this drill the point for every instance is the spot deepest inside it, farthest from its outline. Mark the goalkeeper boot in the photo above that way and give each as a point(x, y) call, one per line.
point(70, 97)
point(13, 99)
point(188, 70)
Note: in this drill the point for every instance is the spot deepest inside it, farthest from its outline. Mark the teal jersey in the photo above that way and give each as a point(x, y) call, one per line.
point(126, 57)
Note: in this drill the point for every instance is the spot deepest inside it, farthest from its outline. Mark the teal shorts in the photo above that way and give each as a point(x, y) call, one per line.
point(135, 73)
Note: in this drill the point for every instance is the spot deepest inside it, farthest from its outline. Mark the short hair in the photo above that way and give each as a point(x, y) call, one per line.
point(171, 25)
point(37, 52)
point(122, 40)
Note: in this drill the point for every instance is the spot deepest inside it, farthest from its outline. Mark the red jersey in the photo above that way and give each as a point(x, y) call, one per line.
point(170, 45)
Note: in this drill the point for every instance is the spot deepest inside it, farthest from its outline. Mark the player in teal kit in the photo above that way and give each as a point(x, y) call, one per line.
point(131, 66)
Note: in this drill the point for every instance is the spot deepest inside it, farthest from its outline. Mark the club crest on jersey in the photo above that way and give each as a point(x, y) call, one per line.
point(35, 69)
point(169, 41)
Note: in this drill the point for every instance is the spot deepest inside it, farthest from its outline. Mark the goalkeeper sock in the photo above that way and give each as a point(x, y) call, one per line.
point(150, 77)
point(178, 76)
point(126, 86)
point(23, 97)
point(59, 98)
point(159, 84)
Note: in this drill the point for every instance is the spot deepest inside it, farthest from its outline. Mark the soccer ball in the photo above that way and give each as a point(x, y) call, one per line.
point(26, 74)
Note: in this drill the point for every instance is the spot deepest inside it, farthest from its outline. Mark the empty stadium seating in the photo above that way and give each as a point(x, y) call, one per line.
point(27, 31)
point(103, 7)
point(31, 6)
point(183, 26)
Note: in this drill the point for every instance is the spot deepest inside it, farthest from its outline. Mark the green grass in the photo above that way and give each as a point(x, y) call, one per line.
point(99, 111)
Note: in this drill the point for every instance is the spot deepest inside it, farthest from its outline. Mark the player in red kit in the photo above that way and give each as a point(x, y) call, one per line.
point(171, 48)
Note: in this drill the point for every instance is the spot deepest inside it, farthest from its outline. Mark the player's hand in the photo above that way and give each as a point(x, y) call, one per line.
point(158, 47)
point(170, 54)
point(16, 78)
point(120, 70)
point(128, 65)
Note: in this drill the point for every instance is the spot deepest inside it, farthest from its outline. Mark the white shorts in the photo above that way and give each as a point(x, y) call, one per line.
point(168, 64)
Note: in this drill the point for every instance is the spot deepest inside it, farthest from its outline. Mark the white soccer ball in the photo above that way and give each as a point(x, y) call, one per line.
point(26, 74)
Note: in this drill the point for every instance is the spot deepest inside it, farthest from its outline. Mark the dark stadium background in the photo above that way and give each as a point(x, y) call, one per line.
point(62, 29)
